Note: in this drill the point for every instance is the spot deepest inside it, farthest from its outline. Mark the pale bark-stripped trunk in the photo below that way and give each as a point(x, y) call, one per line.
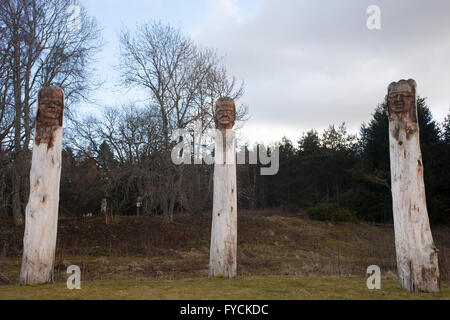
point(41, 216)
point(223, 261)
point(104, 211)
point(417, 258)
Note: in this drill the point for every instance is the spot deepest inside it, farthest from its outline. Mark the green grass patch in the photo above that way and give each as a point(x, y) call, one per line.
point(331, 212)
point(264, 288)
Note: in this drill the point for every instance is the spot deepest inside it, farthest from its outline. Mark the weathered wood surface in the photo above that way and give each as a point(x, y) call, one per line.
point(417, 256)
point(223, 251)
point(41, 217)
point(223, 261)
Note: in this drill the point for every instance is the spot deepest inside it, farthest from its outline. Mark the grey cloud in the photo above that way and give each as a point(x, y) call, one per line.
point(312, 63)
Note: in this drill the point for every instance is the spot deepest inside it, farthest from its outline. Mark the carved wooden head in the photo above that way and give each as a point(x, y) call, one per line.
point(49, 115)
point(225, 113)
point(401, 100)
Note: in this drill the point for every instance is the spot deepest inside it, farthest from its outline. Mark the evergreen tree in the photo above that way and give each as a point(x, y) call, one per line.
point(446, 127)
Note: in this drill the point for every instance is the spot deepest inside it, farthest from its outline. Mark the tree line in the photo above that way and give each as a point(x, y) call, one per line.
point(354, 172)
point(334, 166)
point(124, 153)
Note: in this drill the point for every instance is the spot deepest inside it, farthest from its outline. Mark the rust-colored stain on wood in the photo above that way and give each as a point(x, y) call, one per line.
point(230, 260)
point(49, 115)
point(430, 274)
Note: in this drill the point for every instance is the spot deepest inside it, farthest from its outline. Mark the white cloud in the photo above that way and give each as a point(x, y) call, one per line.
point(227, 6)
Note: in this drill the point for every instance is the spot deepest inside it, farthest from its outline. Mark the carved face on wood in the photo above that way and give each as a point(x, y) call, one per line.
point(401, 100)
point(225, 113)
point(49, 115)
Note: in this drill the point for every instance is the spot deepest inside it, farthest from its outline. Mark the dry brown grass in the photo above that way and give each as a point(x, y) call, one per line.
point(270, 242)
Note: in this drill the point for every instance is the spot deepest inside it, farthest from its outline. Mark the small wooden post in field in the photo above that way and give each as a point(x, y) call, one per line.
point(417, 256)
point(138, 205)
point(41, 218)
point(222, 262)
point(104, 210)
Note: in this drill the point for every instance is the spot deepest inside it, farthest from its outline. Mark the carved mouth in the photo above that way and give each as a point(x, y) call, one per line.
point(398, 108)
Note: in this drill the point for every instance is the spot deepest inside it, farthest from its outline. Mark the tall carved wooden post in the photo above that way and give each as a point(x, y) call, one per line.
point(41, 218)
point(417, 257)
point(222, 261)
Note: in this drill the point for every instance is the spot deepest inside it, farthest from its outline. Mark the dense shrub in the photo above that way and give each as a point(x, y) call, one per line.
point(331, 212)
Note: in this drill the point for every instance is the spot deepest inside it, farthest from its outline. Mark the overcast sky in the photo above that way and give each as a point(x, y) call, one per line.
point(306, 63)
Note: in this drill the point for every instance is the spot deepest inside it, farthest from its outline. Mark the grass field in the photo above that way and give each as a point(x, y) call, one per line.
point(281, 255)
point(248, 288)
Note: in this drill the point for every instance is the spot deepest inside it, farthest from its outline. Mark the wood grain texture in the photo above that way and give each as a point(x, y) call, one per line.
point(41, 216)
point(417, 256)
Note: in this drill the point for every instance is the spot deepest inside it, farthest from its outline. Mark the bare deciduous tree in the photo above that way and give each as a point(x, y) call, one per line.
point(39, 48)
point(182, 82)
